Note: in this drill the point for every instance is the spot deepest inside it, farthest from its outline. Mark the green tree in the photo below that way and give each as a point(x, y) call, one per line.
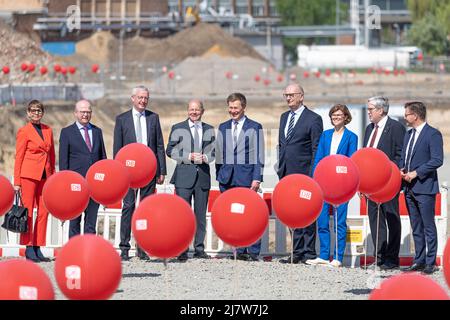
point(308, 13)
point(429, 35)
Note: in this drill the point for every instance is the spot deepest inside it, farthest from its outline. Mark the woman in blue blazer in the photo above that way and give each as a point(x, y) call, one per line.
point(342, 141)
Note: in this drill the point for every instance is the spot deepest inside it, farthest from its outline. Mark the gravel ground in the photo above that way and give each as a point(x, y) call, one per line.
point(224, 279)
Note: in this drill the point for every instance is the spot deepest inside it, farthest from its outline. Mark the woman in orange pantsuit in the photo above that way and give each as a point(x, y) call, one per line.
point(35, 162)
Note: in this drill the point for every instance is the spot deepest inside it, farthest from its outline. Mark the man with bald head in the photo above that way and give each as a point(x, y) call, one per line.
point(81, 145)
point(191, 145)
point(299, 133)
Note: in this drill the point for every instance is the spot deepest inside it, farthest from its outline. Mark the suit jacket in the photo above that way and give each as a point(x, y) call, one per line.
point(73, 152)
point(34, 155)
point(124, 134)
point(347, 146)
point(180, 145)
point(241, 165)
point(296, 155)
point(391, 139)
point(427, 155)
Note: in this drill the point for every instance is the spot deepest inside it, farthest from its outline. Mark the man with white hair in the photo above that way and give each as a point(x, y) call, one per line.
point(142, 126)
point(80, 146)
point(385, 134)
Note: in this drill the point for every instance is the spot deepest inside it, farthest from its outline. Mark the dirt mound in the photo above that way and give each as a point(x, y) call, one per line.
point(17, 48)
point(103, 47)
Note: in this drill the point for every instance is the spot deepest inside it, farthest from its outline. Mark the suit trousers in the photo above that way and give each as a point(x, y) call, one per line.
point(421, 214)
point(388, 242)
point(255, 248)
point(32, 197)
point(129, 204)
point(323, 224)
point(200, 197)
point(90, 220)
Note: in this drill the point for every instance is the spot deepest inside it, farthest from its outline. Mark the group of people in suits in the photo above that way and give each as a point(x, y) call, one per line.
point(238, 153)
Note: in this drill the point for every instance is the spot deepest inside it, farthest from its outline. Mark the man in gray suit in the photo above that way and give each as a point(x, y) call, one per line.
point(142, 126)
point(191, 145)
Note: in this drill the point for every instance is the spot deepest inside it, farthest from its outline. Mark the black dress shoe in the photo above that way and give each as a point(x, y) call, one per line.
point(243, 256)
point(253, 257)
point(30, 254)
point(182, 257)
point(389, 266)
point(201, 255)
point(39, 255)
point(124, 256)
point(415, 267)
point(429, 269)
point(295, 260)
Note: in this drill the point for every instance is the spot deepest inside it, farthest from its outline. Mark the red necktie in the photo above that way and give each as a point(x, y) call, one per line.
point(87, 139)
point(372, 141)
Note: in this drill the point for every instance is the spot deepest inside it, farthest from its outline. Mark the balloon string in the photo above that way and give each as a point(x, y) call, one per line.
point(235, 274)
point(291, 275)
point(365, 242)
point(166, 282)
point(376, 241)
point(336, 231)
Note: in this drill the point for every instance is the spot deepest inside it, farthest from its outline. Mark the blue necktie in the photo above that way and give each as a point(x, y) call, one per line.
point(291, 125)
point(410, 148)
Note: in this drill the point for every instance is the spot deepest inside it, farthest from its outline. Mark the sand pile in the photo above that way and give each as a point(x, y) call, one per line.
point(103, 47)
point(17, 48)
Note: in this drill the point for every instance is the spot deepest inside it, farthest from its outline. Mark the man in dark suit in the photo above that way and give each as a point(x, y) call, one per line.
point(142, 126)
point(81, 145)
point(299, 134)
point(240, 157)
point(422, 155)
point(386, 135)
point(191, 145)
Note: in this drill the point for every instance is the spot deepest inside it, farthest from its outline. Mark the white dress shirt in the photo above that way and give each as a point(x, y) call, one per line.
point(143, 125)
point(381, 124)
point(297, 114)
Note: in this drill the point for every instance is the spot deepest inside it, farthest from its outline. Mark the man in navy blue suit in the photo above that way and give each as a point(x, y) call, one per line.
point(81, 145)
point(141, 126)
point(299, 134)
point(240, 157)
point(422, 155)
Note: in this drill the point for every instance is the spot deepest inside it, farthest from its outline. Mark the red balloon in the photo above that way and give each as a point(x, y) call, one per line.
point(446, 262)
point(7, 195)
point(396, 72)
point(57, 68)
point(317, 74)
point(66, 194)
point(88, 268)
point(31, 67)
point(43, 70)
point(266, 82)
point(387, 72)
point(72, 70)
point(328, 72)
point(5, 69)
point(228, 74)
point(239, 217)
point(297, 200)
point(257, 78)
point(280, 78)
point(306, 74)
point(108, 181)
point(171, 75)
point(95, 68)
point(379, 71)
point(374, 169)
point(24, 280)
point(338, 177)
point(24, 66)
point(293, 76)
point(163, 225)
point(409, 286)
point(140, 162)
point(63, 70)
point(390, 189)
point(369, 71)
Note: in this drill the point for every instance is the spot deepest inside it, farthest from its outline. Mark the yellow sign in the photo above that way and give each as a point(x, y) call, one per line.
point(354, 235)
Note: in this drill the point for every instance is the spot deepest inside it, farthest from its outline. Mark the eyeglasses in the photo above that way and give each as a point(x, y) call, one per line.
point(370, 109)
point(337, 115)
point(36, 111)
point(141, 98)
point(290, 95)
point(85, 112)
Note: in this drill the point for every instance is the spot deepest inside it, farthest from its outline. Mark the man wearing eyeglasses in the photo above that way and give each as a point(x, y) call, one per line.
point(385, 134)
point(80, 146)
point(141, 126)
point(422, 155)
point(299, 134)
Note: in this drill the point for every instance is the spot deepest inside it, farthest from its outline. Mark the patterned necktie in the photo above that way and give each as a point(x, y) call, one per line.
point(87, 138)
point(291, 125)
point(235, 136)
point(410, 148)
point(138, 128)
point(197, 146)
point(374, 136)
